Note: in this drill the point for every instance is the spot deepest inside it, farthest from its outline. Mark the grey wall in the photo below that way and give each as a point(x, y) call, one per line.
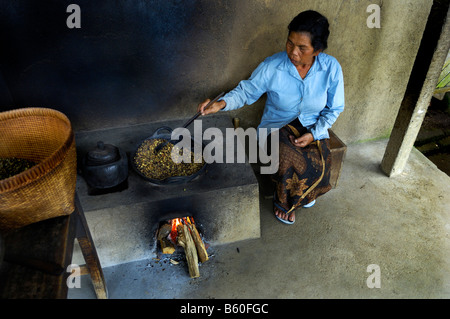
point(141, 61)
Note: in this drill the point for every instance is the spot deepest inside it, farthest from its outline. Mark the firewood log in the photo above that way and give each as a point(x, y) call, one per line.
point(201, 250)
point(166, 245)
point(185, 240)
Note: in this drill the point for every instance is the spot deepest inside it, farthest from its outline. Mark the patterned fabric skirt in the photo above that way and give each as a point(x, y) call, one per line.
point(304, 173)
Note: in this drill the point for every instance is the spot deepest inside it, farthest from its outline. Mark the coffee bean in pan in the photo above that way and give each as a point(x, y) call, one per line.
point(159, 165)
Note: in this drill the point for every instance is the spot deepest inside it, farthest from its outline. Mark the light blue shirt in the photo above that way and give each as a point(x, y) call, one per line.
point(316, 100)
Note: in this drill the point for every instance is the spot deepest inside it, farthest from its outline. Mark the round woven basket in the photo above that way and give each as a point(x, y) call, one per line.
point(47, 189)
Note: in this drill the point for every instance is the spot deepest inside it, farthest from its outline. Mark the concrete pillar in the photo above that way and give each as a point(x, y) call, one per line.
point(413, 110)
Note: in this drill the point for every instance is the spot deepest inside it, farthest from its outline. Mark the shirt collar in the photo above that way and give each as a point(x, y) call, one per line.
point(318, 65)
point(322, 65)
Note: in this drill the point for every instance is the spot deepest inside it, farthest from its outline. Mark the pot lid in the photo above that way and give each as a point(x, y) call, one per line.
point(102, 154)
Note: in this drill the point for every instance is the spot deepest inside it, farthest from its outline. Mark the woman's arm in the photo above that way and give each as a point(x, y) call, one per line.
point(335, 105)
point(245, 93)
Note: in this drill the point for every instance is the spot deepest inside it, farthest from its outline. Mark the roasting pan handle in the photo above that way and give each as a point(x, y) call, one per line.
point(162, 128)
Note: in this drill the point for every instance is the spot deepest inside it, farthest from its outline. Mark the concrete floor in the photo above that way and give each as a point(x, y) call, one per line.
point(401, 224)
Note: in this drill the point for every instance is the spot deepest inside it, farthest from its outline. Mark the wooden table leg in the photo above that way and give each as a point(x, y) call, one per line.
point(89, 252)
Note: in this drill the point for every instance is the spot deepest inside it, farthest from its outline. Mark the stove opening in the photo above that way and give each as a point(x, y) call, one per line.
point(181, 235)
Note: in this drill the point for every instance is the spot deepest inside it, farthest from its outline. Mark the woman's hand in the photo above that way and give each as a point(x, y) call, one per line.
point(213, 108)
point(303, 140)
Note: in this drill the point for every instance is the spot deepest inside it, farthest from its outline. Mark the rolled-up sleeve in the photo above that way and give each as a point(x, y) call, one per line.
point(335, 105)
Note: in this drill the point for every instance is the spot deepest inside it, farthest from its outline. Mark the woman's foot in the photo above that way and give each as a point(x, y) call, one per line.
point(311, 204)
point(282, 215)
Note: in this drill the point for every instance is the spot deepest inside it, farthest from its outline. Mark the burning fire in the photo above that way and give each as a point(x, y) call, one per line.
point(189, 238)
point(179, 221)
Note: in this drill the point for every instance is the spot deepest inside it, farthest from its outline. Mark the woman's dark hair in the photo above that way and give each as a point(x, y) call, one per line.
point(315, 24)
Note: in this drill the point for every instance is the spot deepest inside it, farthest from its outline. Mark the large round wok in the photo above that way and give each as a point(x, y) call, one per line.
point(158, 134)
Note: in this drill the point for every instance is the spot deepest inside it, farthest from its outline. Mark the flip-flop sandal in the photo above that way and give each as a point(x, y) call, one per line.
point(311, 204)
point(285, 221)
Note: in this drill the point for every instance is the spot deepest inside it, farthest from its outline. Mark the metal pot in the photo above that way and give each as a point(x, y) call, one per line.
point(105, 166)
point(170, 180)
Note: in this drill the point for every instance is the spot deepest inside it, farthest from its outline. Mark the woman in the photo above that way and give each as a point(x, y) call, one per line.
point(305, 95)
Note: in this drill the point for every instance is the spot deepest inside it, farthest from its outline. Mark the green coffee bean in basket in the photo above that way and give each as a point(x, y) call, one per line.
point(11, 166)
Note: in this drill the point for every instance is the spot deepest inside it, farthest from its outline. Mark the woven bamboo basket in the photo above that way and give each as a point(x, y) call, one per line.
point(47, 189)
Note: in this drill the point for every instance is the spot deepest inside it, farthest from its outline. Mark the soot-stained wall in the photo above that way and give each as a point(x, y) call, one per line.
point(136, 61)
point(130, 61)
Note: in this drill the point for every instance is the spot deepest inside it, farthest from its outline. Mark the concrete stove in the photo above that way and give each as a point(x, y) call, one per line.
point(224, 201)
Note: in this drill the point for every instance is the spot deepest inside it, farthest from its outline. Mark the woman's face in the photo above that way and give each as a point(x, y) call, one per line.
point(299, 48)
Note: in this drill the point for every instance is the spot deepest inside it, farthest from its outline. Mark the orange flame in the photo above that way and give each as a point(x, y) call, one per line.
point(179, 221)
point(174, 232)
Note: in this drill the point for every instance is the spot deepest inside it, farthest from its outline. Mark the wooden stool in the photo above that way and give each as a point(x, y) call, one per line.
point(338, 150)
point(37, 257)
